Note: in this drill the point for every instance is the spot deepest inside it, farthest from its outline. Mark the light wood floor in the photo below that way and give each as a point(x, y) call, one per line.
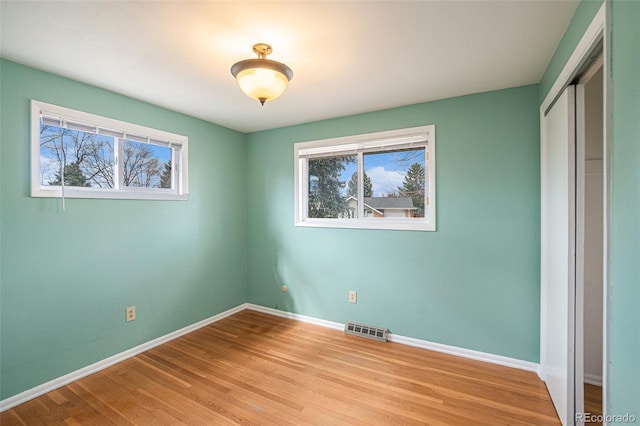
point(253, 368)
point(593, 401)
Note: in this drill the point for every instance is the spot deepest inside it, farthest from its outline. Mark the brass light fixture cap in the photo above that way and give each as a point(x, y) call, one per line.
point(262, 50)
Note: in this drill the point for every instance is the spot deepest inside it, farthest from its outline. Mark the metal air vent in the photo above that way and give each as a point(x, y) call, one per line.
point(368, 331)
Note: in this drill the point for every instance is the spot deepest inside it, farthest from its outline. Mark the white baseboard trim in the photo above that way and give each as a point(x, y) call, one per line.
point(466, 353)
point(410, 341)
point(541, 373)
point(593, 379)
point(35, 392)
point(39, 390)
point(303, 318)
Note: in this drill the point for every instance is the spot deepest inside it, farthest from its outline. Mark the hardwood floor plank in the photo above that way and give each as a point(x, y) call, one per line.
point(593, 401)
point(255, 368)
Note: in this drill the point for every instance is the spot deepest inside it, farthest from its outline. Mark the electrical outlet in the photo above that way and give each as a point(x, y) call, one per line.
point(353, 296)
point(130, 314)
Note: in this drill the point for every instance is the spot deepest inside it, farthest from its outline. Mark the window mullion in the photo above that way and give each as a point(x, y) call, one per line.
point(176, 184)
point(118, 167)
point(177, 165)
point(360, 186)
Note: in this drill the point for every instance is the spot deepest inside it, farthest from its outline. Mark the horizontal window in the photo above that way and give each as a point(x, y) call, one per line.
point(79, 155)
point(382, 180)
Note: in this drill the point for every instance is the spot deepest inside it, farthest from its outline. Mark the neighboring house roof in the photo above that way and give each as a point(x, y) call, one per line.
point(388, 203)
point(352, 199)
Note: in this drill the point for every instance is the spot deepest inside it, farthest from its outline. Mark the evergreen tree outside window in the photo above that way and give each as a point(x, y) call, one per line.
point(327, 196)
point(381, 180)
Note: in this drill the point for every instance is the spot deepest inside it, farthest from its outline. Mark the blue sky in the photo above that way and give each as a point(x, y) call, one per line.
point(386, 170)
point(162, 153)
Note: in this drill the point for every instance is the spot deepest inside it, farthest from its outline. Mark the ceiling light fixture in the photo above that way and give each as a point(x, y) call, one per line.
point(262, 79)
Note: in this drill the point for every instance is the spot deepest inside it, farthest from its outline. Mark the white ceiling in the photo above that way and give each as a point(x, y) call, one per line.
point(348, 57)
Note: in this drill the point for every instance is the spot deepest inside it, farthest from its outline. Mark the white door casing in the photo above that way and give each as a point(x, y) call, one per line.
point(595, 33)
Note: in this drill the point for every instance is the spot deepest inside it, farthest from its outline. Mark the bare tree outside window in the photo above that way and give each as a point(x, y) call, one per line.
point(87, 157)
point(88, 160)
point(142, 165)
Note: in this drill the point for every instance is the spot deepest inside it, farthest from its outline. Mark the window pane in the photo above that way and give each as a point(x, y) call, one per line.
point(146, 166)
point(394, 183)
point(87, 158)
point(330, 195)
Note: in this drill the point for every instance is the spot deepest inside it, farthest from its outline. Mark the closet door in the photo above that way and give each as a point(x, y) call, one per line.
point(558, 248)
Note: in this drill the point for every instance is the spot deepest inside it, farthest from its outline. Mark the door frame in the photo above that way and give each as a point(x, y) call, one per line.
point(596, 32)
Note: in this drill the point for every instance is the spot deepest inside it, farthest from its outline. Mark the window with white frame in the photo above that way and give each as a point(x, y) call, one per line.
point(80, 155)
point(383, 180)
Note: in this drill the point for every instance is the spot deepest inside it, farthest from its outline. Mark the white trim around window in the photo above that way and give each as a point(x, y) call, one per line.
point(116, 145)
point(366, 158)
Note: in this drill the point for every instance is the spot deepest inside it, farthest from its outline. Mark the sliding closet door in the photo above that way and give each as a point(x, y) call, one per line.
point(557, 355)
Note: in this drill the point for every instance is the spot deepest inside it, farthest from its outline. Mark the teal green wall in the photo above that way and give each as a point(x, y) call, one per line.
point(624, 237)
point(67, 277)
point(580, 21)
point(474, 283)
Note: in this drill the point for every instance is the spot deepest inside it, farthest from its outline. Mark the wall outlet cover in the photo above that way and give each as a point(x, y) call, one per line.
point(130, 314)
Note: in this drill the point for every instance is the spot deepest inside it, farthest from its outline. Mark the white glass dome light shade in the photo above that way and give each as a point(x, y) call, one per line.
point(262, 84)
point(262, 79)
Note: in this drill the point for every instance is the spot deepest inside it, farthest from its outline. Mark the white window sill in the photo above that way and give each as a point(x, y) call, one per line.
point(384, 224)
point(139, 194)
